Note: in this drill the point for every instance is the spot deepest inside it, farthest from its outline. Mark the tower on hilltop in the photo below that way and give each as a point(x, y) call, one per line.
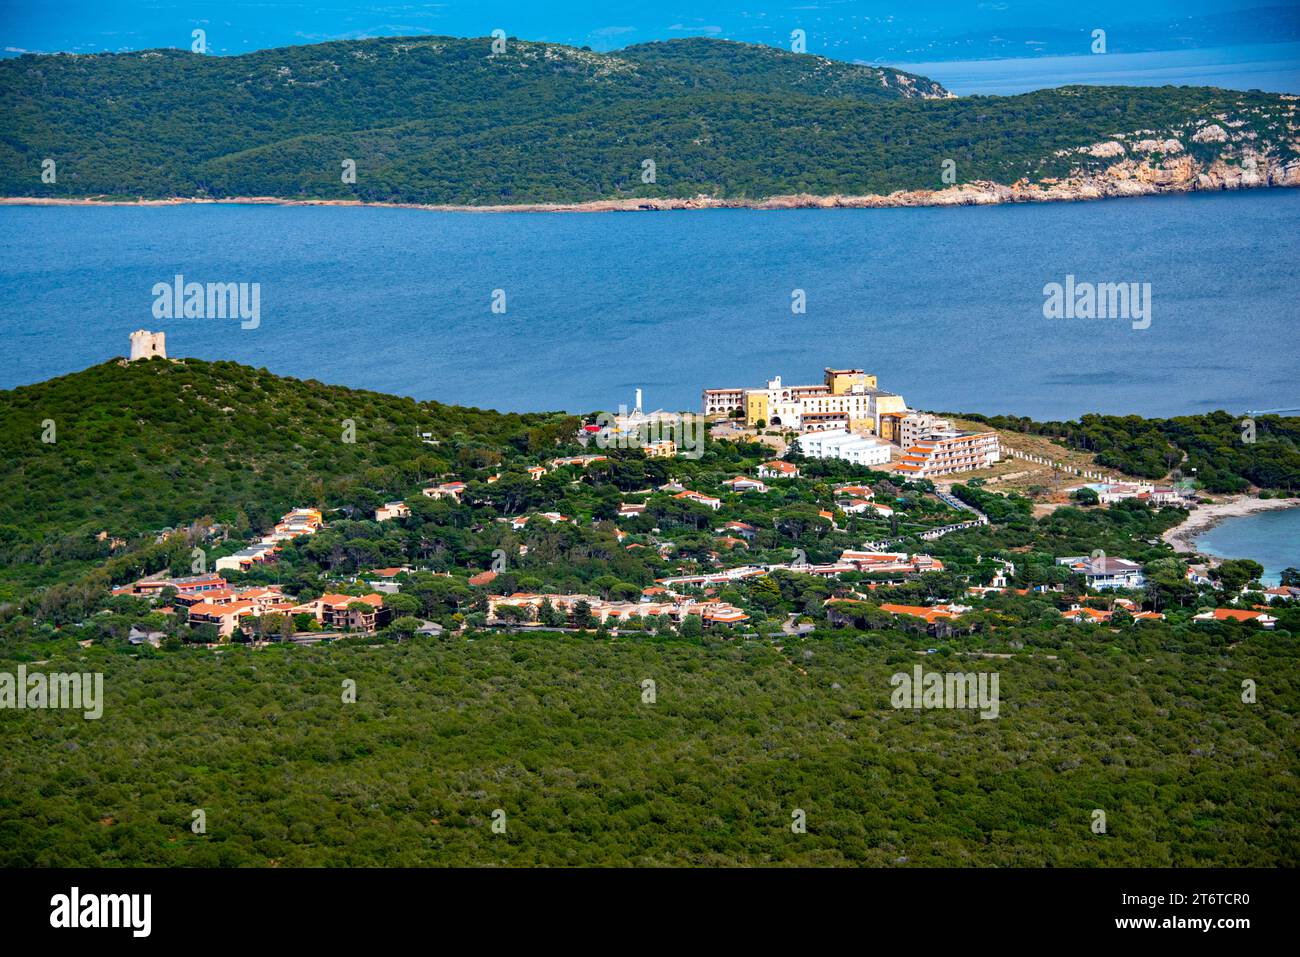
point(146, 345)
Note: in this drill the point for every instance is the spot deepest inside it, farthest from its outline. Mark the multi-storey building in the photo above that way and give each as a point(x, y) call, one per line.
point(947, 452)
point(677, 608)
point(723, 401)
point(814, 407)
point(346, 611)
point(846, 399)
point(915, 426)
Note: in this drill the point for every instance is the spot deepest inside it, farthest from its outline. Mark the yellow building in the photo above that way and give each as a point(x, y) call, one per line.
point(849, 399)
point(891, 426)
point(843, 381)
point(887, 404)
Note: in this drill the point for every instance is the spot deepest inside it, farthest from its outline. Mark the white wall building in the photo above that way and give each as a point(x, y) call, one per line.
point(839, 444)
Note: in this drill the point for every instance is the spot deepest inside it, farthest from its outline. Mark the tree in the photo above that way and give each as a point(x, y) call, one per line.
point(402, 604)
point(582, 615)
point(405, 627)
point(1236, 573)
point(548, 614)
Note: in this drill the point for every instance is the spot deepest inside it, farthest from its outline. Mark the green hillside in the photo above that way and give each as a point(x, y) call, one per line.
point(443, 120)
point(149, 445)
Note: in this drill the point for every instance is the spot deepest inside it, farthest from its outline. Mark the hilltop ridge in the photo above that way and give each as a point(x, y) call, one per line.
point(446, 122)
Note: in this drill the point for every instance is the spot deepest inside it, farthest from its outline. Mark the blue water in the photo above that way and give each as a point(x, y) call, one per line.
point(1270, 538)
point(1272, 67)
point(945, 305)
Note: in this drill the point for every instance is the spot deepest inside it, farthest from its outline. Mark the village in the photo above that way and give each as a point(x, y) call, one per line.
point(870, 534)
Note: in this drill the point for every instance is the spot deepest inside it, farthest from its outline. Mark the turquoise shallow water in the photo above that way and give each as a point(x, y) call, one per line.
point(945, 305)
point(1270, 538)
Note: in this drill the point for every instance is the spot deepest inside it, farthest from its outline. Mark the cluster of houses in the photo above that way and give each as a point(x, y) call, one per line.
point(212, 600)
point(1108, 493)
point(656, 602)
point(898, 565)
point(455, 490)
point(231, 609)
point(298, 521)
point(1083, 614)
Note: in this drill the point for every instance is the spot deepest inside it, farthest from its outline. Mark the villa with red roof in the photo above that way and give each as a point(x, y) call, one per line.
point(778, 469)
point(706, 500)
point(1263, 619)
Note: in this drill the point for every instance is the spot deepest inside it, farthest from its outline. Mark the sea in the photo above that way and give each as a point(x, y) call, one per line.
point(538, 311)
point(1270, 538)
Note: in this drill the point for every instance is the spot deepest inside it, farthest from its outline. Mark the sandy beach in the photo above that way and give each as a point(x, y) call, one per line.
point(1204, 517)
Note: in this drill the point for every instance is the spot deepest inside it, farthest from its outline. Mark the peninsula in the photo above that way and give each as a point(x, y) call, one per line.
point(452, 124)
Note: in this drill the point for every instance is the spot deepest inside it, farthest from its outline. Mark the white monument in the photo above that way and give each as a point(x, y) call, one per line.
point(146, 345)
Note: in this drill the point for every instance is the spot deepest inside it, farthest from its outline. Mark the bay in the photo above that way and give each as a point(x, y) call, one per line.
point(1270, 538)
point(944, 305)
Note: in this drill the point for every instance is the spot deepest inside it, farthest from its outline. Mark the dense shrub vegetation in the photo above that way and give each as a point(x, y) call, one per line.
point(553, 731)
point(439, 120)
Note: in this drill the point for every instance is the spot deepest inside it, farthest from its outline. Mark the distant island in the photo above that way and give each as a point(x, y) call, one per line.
point(454, 123)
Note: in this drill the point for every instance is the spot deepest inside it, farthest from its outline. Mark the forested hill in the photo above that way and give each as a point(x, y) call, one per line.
point(149, 445)
point(446, 121)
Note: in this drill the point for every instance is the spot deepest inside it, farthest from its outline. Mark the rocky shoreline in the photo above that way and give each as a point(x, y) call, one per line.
point(1125, 179)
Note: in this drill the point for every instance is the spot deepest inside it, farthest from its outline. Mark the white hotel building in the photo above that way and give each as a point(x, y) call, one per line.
point(838, 444)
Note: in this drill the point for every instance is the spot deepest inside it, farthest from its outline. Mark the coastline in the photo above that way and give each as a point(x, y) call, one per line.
point(1205, 517)
point(970, 194)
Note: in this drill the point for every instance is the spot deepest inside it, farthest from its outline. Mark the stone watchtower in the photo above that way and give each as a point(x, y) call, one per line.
point(146, 345)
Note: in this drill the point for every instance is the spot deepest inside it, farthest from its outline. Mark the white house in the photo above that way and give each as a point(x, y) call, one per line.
point(706, 500)
point(1237, 614)
point(1106, 572)
point(742, 484)
point(391, 510)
